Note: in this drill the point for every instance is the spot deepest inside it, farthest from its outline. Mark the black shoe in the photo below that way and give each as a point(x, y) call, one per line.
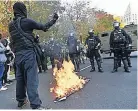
point(115, 70)
point(119, 65)
point(129, 65)
point(92, 70)
point(101, 70)
point(10, 81)
point(127, 70)
point(22, 104)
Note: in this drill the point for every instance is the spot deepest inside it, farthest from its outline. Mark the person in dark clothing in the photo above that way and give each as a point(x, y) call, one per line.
point(43, 58)
point(73, 51)
point(118, 44)
point(93, 42)
point(128, 53)
point(10, 57)
point(25, 49)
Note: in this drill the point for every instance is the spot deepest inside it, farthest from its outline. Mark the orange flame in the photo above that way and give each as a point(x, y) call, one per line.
point(67, 81)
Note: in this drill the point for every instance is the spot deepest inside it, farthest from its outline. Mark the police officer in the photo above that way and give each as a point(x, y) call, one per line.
point(118, 45)
point(51, 46)
point(22, 40)
point(94, 43)
point(128, 53)
point(82, 53)
point(73, 51)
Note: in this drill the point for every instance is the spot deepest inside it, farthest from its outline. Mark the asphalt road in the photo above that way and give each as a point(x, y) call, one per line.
point(104, 91)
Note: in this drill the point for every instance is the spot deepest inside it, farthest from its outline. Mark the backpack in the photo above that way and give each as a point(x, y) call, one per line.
point(72, 45)
point(92, 43)
point(119, 37)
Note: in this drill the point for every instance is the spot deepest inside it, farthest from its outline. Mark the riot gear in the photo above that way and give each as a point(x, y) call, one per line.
point(73, 52)
point(118, 45)
point(71, 34)
point(93, 43)
point(116, 25)
point(91, 32)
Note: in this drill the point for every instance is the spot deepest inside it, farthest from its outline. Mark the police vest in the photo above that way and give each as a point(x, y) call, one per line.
point(92, 43)
point(119, 37)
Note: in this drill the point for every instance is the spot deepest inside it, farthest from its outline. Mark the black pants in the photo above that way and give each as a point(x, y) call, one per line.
point(52, 62)
point(128, 58)
point(14, 68)
point(75, 60)
point(43, 66)
point(27, 77)
point(118, 56)
point(5, 74)
point(94, 54)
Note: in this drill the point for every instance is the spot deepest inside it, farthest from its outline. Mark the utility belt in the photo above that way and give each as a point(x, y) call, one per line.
point(119, 46)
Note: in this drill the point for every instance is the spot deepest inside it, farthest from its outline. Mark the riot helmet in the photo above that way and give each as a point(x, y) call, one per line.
point(91, 32)
point(116, 25)
point(71, 34)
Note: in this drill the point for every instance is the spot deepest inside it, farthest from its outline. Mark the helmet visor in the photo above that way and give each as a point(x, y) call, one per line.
point(116, 24)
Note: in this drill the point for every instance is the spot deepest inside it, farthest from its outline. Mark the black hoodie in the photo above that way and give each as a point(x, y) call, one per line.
point(28, 25)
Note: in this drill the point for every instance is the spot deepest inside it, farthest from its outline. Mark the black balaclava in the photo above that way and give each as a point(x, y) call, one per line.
point(19, 10)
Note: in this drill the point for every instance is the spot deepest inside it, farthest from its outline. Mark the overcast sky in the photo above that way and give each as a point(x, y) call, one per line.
point(116, 7)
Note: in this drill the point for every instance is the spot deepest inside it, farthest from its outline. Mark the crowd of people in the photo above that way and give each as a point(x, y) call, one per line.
point(6, 62)
point(27, 55)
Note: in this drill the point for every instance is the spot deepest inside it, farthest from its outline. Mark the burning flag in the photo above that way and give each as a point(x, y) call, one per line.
point(66, 81)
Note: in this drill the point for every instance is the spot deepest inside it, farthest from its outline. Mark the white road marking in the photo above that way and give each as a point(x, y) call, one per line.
point(85, 68)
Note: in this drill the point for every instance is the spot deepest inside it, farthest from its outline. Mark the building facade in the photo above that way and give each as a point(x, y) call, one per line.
point(131, 14)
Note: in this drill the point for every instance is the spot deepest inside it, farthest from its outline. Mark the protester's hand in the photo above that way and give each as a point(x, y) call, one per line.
point(55, 17)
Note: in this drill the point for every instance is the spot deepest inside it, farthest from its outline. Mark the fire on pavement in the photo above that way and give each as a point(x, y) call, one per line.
point(66, 82)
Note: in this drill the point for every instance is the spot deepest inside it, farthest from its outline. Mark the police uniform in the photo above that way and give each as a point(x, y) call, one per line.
point(118, 45)
point(93, 42)
point(73, 51)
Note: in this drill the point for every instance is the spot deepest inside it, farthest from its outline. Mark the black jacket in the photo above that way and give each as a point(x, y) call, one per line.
point(124, 34)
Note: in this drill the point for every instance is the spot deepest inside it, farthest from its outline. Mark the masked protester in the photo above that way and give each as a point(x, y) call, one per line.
point(94, 43)
point(73, 51)
point(27, 55)
point(118, 44)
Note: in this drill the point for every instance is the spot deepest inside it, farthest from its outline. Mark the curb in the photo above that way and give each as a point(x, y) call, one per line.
point(113, 57)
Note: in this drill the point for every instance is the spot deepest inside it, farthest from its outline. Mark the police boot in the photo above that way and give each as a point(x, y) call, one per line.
point(40, 69)
point(78, 68)
point(115, 65)
point(99, 65)
point(129, 62)
point(83, 60)
point(119, 63)
point(92, 65)
point(125, 65)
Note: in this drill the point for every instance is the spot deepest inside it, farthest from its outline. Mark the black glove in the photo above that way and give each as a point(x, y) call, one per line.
point(111, 49)
point(55, 17)
point(36, 39)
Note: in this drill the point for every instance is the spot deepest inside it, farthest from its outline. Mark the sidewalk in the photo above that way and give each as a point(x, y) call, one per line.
point(107, 56)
